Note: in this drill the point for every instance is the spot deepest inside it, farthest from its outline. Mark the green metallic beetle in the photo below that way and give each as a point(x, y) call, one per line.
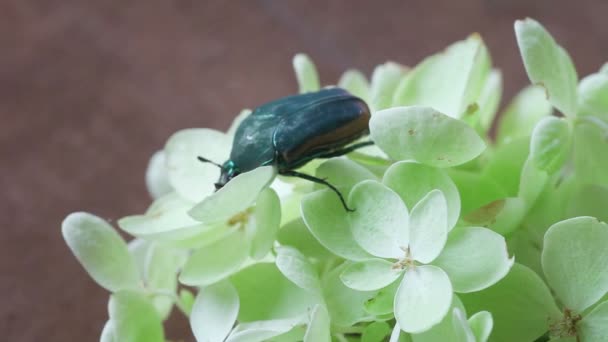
point(289, 132)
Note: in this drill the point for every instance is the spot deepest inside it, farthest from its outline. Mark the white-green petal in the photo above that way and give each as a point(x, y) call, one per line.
point(261, 331)
point(593, 95)
point(191, 178)
point(355, 82)
point(428, 227)
point(343, 173)
point(370, 275)
point(267, 214)
point(306, 73)
point(214, 312)
point(380, 220)
point(101, 251)
point(157, 175)
point(234, 197)
point(594, 326)
point(445, 330)
point(461, 326)
point(134, 318)
point(550, 144)
point(474, 258)
point(425, 135)
point(525, 110)
point(591, 150)
point(318, 328)
point(481, 325)
point(575, 259)
point(298, 269)
point(385, 79)
point(413, 181)
point(548, 65)
point(107, 333)
point(216, 261)
point(327, 221)
point(423, 298)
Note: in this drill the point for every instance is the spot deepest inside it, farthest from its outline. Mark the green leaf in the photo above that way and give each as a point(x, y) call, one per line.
point(376, 332)
point(424, 135)
point(191, 178)
point(449, 81)
point(550, 144)
point(594, 326)
point(298, 269)
point(234, 197)
point(548, 65)
point(101, 251)
point(267, 214)
point(385, 79)
point(306, 73)
point(216, 261)
point(346, 306)
point(521, 305)
point(318, 328)
point(343, 173)
point(214, 312)
point(429, 227)
point(593, 95)
point(574, 259)
point(297, 235)
point(157, 175)
point(413, 181)
point(134, 318)
point(481, 325)
point(356, 83)
point(327, 221)
point(591, 150)
point(423, 299)
point(484, 253)
point(261, 331)
point(519, 119)
point(370, 275)
point(380, 220)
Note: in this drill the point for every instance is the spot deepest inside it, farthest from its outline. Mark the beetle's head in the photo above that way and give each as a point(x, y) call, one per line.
point(228, 171)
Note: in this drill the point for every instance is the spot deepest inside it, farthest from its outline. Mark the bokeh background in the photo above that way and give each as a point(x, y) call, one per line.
point(90, 89)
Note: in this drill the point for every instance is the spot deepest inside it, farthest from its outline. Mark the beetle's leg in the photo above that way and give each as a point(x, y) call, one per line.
point(319, 181)
point(346, 150)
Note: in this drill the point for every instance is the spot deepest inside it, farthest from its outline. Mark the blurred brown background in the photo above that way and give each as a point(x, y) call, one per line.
point(90, 89)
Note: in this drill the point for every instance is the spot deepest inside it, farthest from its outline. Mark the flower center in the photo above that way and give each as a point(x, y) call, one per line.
point(240, 218)
point(406, 262)
point(566, 327)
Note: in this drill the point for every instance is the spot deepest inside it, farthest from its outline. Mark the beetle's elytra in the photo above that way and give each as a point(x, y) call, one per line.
point(289, 132)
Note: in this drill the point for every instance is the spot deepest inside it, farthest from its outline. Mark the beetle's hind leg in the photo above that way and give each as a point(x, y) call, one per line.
point(314, 179)
point(345, 150)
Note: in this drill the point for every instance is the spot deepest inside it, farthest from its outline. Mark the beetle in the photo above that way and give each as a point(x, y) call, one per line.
point(291, 131)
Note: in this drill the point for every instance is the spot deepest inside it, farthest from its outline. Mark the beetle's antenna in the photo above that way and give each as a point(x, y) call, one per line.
point(205, 160)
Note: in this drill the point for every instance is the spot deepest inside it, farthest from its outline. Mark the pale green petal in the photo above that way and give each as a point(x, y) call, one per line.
point(157, 175)
point(525, 110)
point(267, 214)
point(428, 227)
point(593, 95)
point(502, 216)
point(481, 325)
point(101, 251)
point(506, 162)
point(398, 335)
point(476, 189)
point(574, 259)
point(591, 150)
point(186, 301)
point(160, 274)
point(424, 135)
point(216, 261)
point(343, 173)
point(449, 81)
point(355, 82)
point(548, 65)
point(474, 258)
point(382, 303)
point(376, 332)
point(412, 181)
point(297, 235)
point(445, 330)
point(107, 334)
point(235, 197)
point(134, 318)
point(461, 326)
point(550, 144)
point(327, 221)
point(385, 79)
point(265, 294)
point(594, 326)
point(532, 183)
point(296, 267)
point(191, 178)
point(318, 328)
point(521, 305)
point(306, 73)
point(423, 299)
point(370, 275)
point(589, 200)
point(489, 100)
point(380, 220)
point(261, 331)
point(214, 312)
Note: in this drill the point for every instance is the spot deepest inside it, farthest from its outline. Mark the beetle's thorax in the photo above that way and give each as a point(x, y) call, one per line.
point(229, 171)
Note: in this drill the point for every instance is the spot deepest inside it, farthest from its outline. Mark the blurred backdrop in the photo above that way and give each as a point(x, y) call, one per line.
point(90, 89)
